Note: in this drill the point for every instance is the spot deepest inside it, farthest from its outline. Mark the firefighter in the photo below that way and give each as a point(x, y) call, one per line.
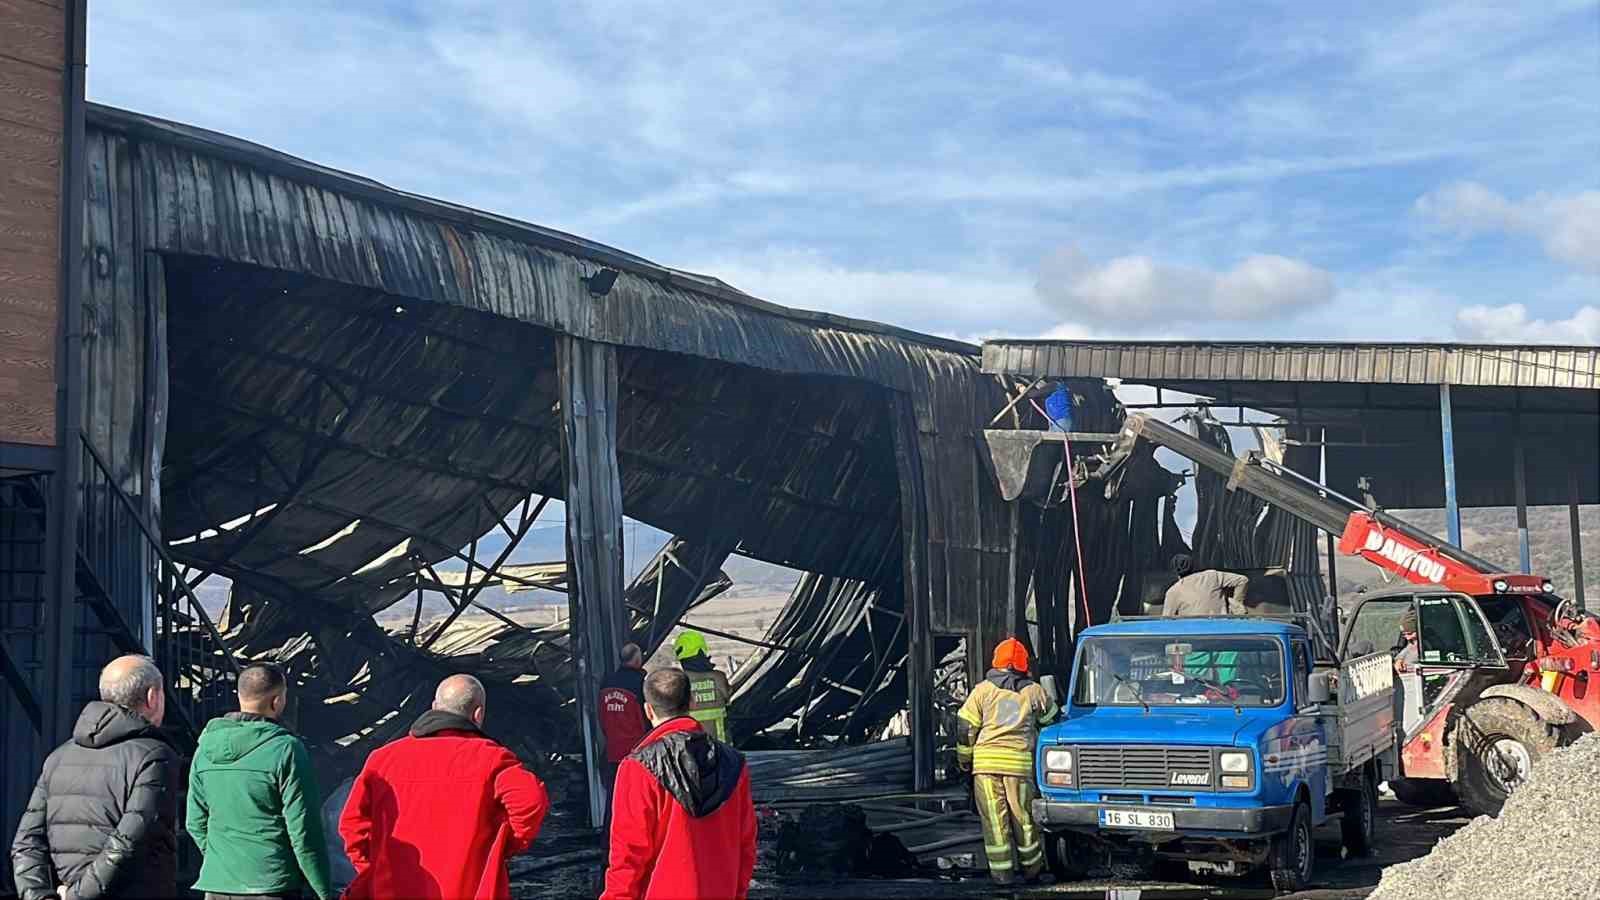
point(995, 734)
point(708, 689)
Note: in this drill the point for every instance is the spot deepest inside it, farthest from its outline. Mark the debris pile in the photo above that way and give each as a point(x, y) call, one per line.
point(842, 774)
point(829, 839)
point(869, 840)
point(1544, 840)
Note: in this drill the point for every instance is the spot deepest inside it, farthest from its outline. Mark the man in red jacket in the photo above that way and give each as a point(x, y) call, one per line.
point(685, 825)
point(436, 814)
point(622, 719)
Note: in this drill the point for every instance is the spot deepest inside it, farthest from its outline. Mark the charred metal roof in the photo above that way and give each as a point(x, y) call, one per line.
point(222, 196)
point(1476, 365)
point(365, 383)
point(312, 275)
point(1379, 404)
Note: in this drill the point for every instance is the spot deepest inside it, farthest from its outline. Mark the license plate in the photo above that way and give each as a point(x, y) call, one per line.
point(1136, 818)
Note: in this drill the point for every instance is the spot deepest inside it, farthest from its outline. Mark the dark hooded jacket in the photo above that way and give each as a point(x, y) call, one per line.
point(684, 823)
point(102, 820)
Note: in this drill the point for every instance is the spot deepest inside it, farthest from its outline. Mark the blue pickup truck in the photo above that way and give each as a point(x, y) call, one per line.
point(1219, 743)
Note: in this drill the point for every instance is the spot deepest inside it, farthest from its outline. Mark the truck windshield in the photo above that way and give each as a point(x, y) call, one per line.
point(1204, 670)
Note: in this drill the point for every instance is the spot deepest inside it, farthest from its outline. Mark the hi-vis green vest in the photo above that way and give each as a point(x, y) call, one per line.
point(997, 728)
point(708, 701)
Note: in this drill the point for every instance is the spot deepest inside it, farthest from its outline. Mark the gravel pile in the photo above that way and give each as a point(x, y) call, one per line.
point(1545, 844)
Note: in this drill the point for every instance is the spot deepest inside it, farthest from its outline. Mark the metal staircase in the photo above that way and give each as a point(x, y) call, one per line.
point(120, 557)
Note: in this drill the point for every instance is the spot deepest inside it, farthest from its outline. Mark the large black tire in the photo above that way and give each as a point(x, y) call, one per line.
point(1064, 854)
point(1496, 742)
point(1358, 825)
point(1294, 854)
point(1423, 793)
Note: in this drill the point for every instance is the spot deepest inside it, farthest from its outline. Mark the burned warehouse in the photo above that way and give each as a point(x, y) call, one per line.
point(349, 406)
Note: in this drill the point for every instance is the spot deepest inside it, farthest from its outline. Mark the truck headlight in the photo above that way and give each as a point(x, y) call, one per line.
point(1234, 762)
point(1058, 760)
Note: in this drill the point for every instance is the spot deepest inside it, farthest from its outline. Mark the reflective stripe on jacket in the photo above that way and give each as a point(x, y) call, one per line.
point(708, 701)
point(999, 724)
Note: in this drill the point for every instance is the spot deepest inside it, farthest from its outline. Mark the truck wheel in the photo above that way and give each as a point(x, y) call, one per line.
point(1424, 793)
point(1065, 856)
point(1135, 865)
point(1294, 854)
point(1497, 742)
point(1359, 823)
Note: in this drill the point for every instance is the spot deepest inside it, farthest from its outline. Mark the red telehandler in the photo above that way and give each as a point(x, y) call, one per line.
point(1498, 681)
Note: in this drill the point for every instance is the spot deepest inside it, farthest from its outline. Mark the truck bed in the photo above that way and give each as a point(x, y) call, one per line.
point(1366, 713)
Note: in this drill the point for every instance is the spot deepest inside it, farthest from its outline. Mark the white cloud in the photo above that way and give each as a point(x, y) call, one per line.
point(969, 304)
point(1140, 290)
point(1068, 331)
point(1568, 225)
point(932, 165)
point(1108, 95)
point(1510, 324)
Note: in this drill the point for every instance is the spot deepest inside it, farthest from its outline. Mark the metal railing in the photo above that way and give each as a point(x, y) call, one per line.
point(120, 557)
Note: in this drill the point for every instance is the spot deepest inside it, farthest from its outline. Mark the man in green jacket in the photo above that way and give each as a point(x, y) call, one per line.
point(254, 808)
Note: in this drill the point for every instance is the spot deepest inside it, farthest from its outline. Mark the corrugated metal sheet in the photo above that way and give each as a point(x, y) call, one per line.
point(444, 409)
point(223, 198)
point(369, 379)
point(1380, 405)
point(1489, 365)
point(321, 243)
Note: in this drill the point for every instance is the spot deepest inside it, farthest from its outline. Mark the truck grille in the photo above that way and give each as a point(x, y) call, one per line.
point(1143, 767)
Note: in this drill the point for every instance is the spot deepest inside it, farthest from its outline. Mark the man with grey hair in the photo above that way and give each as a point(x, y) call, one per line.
point(440, 811)
point(102, 821)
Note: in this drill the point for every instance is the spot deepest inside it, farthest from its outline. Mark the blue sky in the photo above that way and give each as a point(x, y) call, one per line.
point(1165, 170)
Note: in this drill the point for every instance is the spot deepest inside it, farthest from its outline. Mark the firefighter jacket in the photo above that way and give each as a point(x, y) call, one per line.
point(622, 718)
point(998, 725)
point(708, 696)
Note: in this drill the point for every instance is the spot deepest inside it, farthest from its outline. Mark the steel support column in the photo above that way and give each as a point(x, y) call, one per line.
point(60, 608)
point(918, 596)
point(1452, 511)
point(594, 533)
point(1016, 596)
point(1332, 539)
point(1519, 479)
point(1577, 536)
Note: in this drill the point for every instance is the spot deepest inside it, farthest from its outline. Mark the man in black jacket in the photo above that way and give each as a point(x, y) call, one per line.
point(102, 821)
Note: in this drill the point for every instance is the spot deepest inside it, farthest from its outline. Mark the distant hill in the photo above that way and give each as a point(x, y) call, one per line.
point(547, 543)
point(1490, 533)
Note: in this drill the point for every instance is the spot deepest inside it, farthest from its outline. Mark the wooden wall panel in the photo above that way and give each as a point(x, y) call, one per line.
point(32, 63)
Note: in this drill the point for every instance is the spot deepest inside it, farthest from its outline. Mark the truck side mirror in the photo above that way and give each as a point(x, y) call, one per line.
point(1048, 682)
point(1318, 688)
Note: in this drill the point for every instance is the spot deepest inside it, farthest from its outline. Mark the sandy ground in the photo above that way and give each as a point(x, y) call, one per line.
point(1404, 834)
point(748, 614)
